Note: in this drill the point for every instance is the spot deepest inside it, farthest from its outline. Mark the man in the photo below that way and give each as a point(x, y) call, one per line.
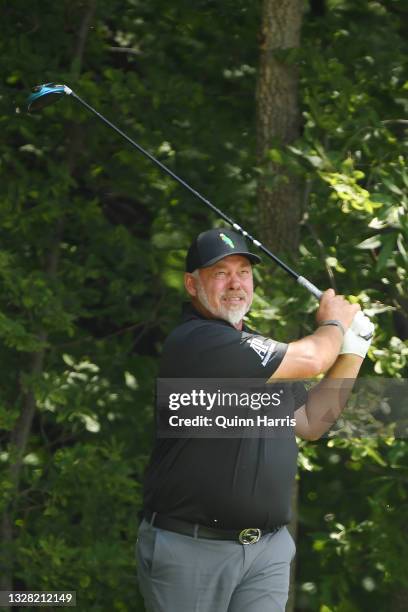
point(213, 538)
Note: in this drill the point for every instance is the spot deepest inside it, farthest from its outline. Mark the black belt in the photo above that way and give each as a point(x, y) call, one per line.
point(250, 535)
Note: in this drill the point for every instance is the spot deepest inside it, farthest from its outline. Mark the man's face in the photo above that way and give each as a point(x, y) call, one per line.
point(224, 290)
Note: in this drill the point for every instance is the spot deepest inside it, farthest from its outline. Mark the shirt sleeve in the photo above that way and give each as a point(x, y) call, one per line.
point(228, 353)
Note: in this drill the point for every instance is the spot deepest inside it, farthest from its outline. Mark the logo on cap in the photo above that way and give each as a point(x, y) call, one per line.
point(227, 241)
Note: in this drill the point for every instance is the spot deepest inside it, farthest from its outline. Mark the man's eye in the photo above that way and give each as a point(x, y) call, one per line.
point(245, 272)
point(220, 274)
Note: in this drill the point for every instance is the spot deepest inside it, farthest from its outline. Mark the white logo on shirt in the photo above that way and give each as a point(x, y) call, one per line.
point(263, 348)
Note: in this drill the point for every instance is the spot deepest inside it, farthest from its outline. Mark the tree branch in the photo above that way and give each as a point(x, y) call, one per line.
point(320, 244)
point(127, 50)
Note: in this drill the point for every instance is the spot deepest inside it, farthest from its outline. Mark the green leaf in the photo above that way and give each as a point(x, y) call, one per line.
point(373, 242)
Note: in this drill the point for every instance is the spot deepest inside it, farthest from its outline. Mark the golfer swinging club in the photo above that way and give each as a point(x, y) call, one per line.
point(213, 536)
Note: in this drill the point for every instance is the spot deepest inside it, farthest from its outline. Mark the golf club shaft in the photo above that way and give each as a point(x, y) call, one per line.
point(300, 279)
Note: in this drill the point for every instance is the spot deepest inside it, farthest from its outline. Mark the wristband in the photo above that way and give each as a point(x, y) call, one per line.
point(334, 322)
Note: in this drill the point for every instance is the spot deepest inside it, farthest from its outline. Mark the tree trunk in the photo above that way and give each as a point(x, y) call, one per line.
point(278, 123)
point(279, 195)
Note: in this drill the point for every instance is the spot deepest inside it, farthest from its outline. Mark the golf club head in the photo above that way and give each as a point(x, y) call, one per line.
point(44, 95)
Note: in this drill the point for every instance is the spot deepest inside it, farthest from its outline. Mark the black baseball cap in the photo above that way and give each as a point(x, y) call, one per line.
point(215, 244)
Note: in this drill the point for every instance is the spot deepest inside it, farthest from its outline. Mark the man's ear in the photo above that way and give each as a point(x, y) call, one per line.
point(190, 284)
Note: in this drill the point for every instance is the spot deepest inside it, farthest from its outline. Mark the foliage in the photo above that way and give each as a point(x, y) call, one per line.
point(92, 244)
point(358, 552)
point(352, 158)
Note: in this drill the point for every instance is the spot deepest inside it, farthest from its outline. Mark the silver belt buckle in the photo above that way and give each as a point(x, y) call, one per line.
point(250, 535)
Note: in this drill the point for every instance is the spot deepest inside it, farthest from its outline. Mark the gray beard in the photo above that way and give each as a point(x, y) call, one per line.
point(232, 316)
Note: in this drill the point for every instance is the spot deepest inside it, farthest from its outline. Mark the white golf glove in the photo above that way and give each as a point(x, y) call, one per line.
point(358, 337)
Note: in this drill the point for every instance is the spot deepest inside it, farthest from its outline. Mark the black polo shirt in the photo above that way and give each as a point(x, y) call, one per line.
point(229, 483)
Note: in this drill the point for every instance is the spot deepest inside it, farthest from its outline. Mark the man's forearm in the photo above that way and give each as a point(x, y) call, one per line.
point(311, 355)
point(328, 398)
point(345, 366)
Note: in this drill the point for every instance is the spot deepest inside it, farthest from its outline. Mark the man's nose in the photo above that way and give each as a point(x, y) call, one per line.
point(234, 281)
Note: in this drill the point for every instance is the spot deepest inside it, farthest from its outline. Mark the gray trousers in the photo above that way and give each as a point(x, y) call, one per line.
point(179, 573)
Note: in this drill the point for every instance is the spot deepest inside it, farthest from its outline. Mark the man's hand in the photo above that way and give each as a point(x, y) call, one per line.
point(358, 337)
point(316, 353)
point(362, 326)
point(334, 307)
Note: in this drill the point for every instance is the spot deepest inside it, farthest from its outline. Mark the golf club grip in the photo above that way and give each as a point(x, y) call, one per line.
point(310, 287)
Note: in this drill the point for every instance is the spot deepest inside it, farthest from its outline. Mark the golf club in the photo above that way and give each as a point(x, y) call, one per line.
point(44, 95)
